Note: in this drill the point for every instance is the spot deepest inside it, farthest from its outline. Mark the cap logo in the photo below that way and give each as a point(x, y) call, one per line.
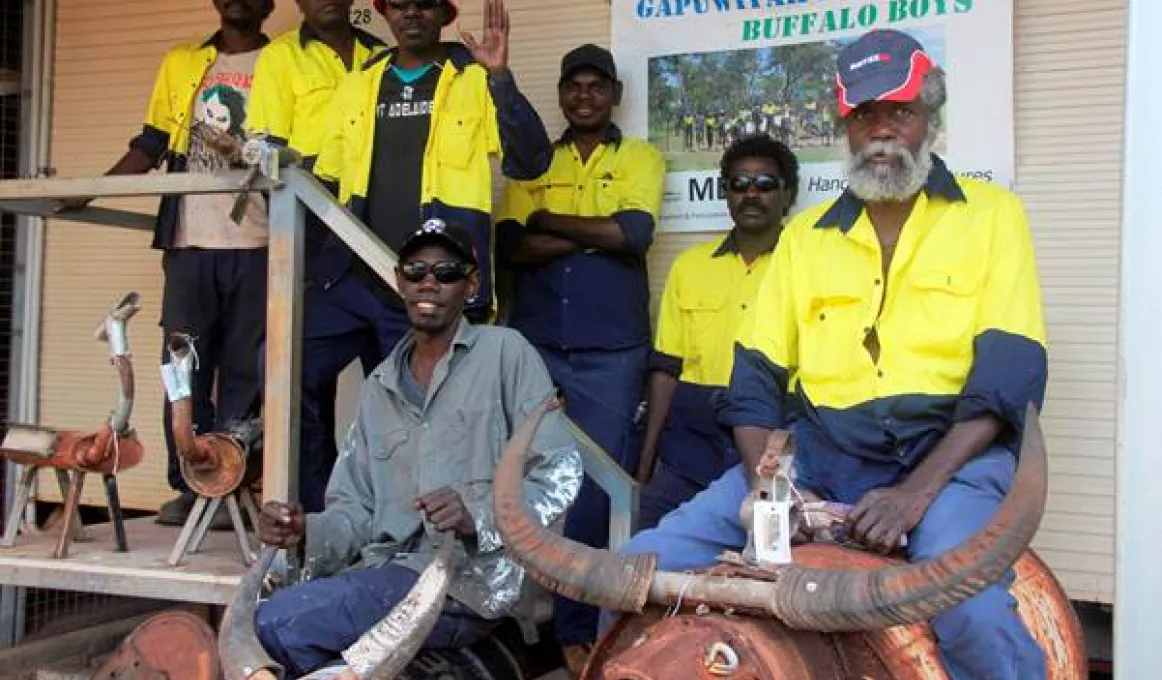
point(871, 59)
point(433, 225)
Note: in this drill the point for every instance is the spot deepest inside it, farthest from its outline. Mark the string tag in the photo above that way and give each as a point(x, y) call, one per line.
point(772, 524)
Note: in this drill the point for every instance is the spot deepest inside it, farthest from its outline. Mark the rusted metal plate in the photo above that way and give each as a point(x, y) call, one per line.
point(223, 470)
point(173, 645)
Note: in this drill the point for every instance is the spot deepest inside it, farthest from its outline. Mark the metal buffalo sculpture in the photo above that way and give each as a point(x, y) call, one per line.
point(834, 613)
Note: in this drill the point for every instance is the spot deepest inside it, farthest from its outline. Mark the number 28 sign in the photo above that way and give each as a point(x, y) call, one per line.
point(364, 16)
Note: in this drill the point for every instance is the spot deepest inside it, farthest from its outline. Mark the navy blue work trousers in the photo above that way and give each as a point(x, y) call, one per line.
point(342, 323)
point(218, 297)
point(602, 390)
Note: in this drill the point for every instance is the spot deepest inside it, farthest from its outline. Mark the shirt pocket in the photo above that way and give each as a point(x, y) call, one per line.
point(458, 140)
point(706, 329)
point(312, 96)
point(386, 446)
point(945, 303)
point(466, 445)
point(831, 335)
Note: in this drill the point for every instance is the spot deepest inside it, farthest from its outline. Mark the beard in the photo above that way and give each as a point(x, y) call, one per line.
point(900, 180)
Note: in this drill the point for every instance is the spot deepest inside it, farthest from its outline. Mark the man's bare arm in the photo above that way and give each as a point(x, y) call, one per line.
point(884, 515)
point(533, 248)
point(603, 233)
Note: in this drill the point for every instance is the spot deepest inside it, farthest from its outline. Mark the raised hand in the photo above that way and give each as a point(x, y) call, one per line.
point(492, 51)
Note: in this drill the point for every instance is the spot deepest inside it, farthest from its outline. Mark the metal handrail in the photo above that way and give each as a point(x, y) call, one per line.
point(292, 193)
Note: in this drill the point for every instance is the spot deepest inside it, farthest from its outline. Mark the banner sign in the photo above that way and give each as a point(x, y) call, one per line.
point(699, 74)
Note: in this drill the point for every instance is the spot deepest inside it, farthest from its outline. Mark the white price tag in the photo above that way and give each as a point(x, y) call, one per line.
point(772, 532)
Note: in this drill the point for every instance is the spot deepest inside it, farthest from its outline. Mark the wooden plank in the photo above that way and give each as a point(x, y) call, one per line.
point(154, 184)
point(208, 577)
point(104, 217)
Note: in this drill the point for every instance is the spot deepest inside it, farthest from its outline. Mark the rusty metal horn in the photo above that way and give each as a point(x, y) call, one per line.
point(213, 464)
point(811, 599)
point(178, 377)
point(386, 649)
point(567, 567)
point(114, 331)
point(243, 657)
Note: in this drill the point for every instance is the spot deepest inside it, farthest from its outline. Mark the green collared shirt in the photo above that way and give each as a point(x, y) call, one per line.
point(396, 451)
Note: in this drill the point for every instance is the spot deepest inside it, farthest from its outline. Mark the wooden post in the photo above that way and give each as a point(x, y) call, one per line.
point(284, 325)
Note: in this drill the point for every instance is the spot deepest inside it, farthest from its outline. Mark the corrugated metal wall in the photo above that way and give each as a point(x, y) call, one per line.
point(1069, 77)
point(1070, 83)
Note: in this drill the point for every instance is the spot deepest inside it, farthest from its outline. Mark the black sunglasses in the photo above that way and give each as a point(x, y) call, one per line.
point(421, 5)
point(765, 183)
point(445, 271)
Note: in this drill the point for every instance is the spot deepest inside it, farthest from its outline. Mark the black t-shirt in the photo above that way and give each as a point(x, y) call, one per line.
point(402, 121)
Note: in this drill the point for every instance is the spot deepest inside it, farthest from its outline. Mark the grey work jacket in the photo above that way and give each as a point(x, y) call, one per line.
point(394, 452)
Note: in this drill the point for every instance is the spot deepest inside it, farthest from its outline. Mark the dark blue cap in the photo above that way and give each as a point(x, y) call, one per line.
point(883, 65)
point(437, 232)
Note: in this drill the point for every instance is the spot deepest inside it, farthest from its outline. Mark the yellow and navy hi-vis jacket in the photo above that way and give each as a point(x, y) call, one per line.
point(473, 117)
point(166, 133)
point(961, 332)
point(294, 79)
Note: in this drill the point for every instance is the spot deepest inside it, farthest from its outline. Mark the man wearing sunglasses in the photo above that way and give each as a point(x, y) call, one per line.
point(710, 291)
point(407, 137)
point(908, 311)
point(577, 239)
point(432, 423)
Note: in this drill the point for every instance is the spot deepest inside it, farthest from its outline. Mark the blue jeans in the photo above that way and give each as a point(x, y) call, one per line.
point(306, 626)
point(602, 391)
point(980, 639)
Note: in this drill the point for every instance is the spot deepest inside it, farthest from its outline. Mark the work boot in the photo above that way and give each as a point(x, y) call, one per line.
point(173, 513)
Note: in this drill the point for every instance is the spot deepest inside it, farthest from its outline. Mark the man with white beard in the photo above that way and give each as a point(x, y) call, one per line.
point(909, 311)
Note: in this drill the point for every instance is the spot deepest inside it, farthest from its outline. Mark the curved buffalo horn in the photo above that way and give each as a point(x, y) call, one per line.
point(243, 657)
point(810, 599)
point(386, 649)
point(557, 563)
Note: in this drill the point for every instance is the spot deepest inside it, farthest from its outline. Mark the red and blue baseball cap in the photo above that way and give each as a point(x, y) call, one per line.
point(883, 65)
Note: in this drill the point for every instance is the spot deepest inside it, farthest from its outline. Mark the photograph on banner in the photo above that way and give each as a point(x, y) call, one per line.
point(702, 102)
point(701, 74)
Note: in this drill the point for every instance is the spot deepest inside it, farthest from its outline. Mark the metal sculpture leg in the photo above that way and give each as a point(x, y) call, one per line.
point(250, 506)
point(16, 513)
point(115, 514)
point(72, 515)
point(63, 480)
point(179, 548)
point(204, 524)
point(239, 528)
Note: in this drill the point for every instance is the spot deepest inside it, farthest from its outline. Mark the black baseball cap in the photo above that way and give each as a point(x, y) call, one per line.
point(588, 56)
point(884, 65)
point(437, 232)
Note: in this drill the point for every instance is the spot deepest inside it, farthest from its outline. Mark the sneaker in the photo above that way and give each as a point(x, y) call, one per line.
point(173, 513)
